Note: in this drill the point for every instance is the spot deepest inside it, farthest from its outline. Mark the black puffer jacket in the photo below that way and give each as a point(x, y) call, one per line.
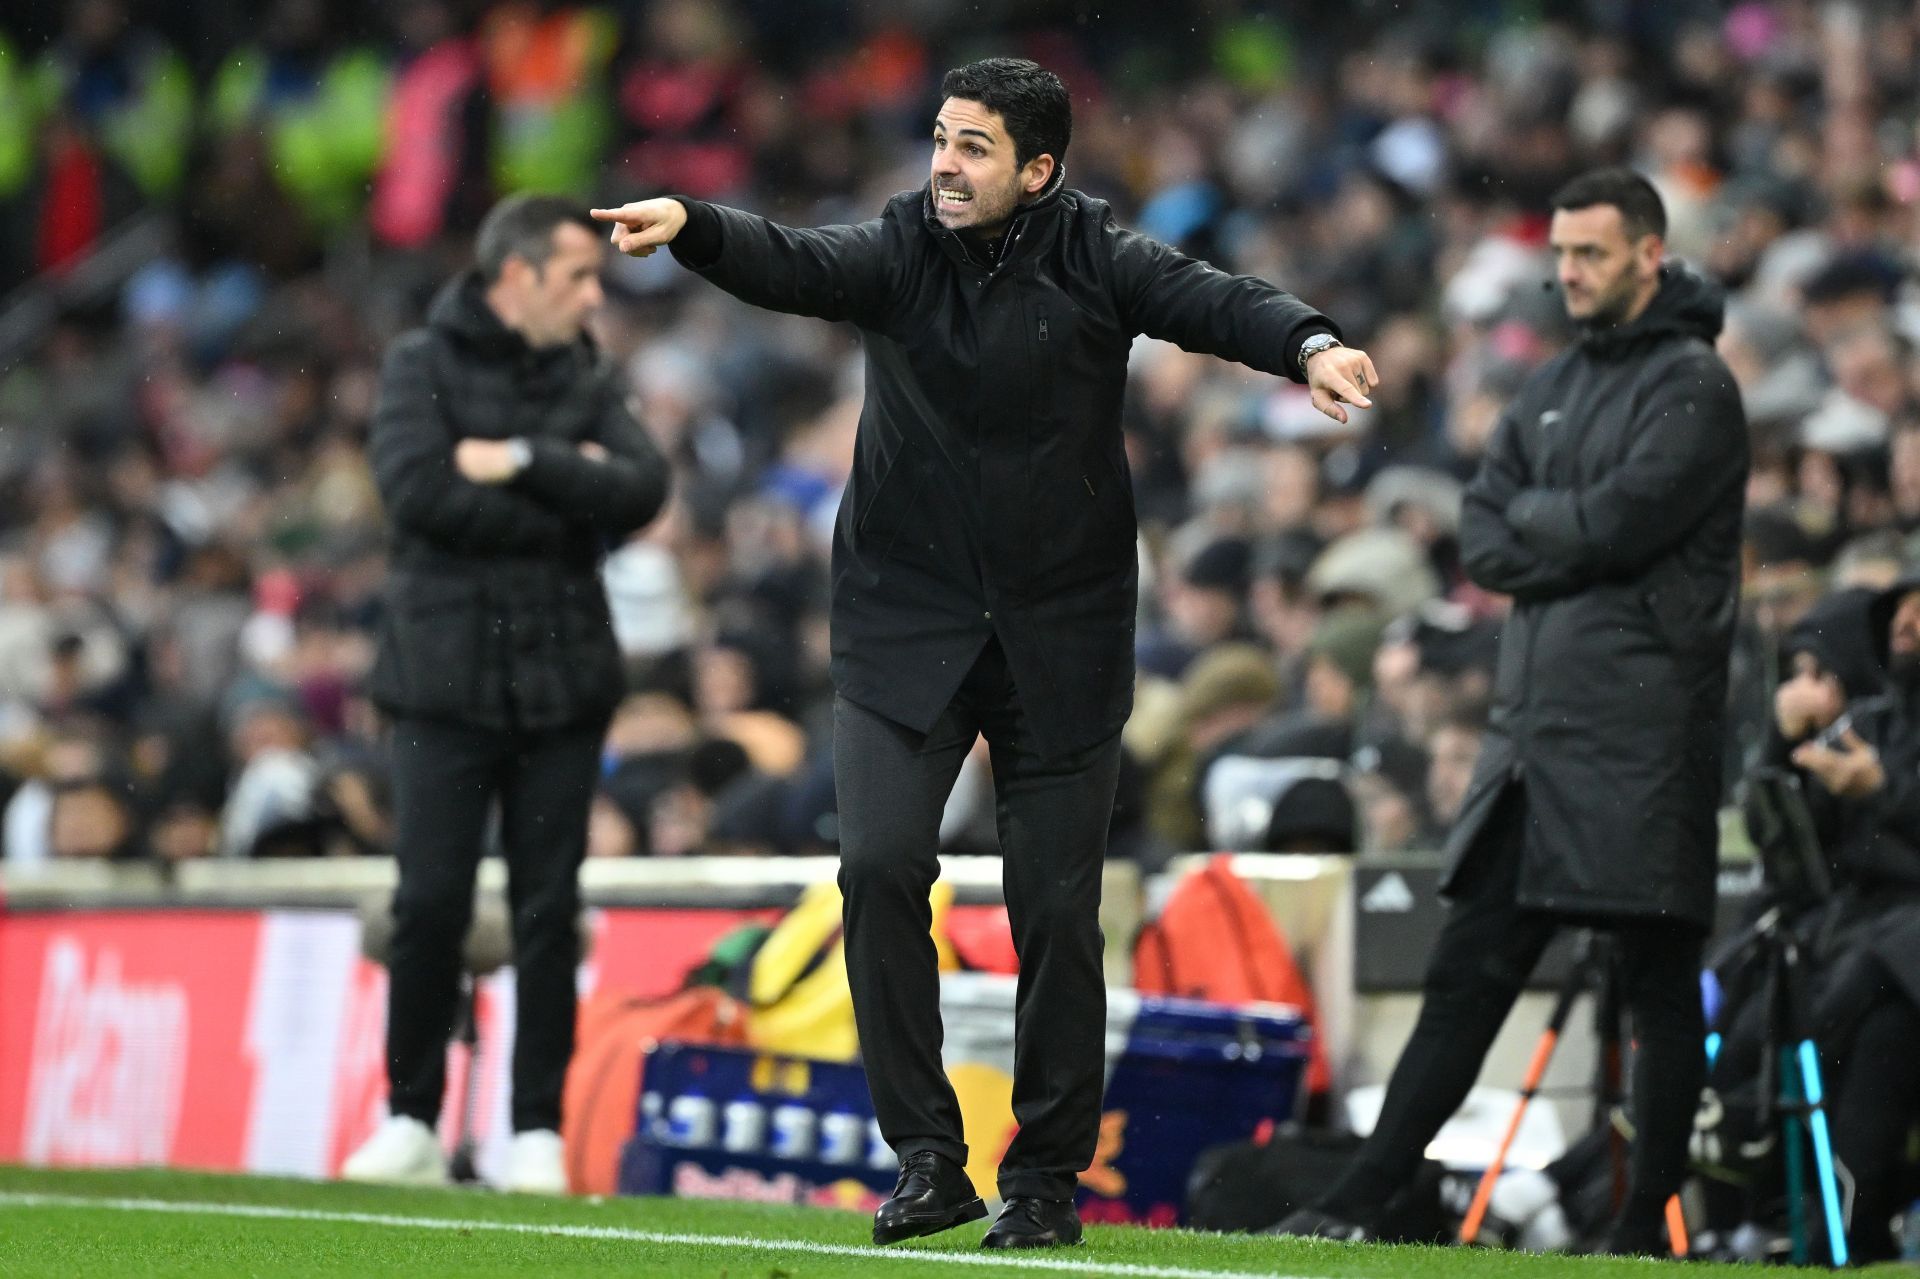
point(495, 612)
point(1872, 844)
point(1609, 507)
point(990, 494)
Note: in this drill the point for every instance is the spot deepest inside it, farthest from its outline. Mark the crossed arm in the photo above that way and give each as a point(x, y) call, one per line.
point(1688, 447)
point(1491, 549)
point(462, 496)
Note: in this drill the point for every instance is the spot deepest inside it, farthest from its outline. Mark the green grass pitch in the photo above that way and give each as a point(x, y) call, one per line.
point(156, 1223)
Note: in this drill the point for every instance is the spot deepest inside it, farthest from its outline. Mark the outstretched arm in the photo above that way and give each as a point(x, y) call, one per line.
point(1163, 293)
point(833, 272)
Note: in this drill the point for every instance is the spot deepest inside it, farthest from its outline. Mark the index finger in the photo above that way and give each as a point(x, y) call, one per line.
point(1373, 379)
point(622, 216)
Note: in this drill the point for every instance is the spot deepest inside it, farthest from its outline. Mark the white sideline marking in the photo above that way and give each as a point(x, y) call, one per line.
point(916, 1257)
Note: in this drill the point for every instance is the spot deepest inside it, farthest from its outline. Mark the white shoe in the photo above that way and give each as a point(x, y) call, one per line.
point(536, 1163)
point(401, 1152)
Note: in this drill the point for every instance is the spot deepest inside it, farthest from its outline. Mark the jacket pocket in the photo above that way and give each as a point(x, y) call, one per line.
point(431, 649)
point(1668, 596)
point(886, 511)
point(1104, 482)
point(595, 668)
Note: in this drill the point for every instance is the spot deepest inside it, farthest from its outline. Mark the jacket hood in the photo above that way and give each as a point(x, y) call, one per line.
point(1847, 635)
point(1880, 613)
point(1686, 305)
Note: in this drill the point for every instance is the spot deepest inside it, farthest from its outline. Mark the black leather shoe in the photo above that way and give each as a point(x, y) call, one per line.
point(933, 1194)
point(1026, 1222)
point(1312, 1223)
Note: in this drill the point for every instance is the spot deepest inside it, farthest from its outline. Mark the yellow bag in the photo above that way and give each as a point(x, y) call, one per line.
point(797, 984)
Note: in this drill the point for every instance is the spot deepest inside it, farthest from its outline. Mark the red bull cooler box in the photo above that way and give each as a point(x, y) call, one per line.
point(1182, 1075)
point(731, 1123)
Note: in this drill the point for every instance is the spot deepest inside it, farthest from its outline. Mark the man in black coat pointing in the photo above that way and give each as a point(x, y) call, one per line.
point(984, 582)
point(1608, 506)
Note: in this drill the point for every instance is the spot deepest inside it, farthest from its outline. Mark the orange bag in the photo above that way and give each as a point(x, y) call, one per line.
point(613, 1034)
point(1216, 941)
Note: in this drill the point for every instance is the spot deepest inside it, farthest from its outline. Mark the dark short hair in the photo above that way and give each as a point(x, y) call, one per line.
point(522, 226)
point(1641, 209)
point(1031, 99)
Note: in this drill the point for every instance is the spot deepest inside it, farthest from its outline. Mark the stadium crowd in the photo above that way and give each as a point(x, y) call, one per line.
point(191, 545)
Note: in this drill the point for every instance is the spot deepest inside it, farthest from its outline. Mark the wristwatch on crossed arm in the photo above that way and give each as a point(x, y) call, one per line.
point(521, 451)
point(1315, 344)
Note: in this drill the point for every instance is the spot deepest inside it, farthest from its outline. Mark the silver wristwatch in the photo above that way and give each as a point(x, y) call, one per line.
point(1314, 345)
point(521, 452)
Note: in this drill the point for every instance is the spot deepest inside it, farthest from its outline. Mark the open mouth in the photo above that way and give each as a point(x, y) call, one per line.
point(951, 198)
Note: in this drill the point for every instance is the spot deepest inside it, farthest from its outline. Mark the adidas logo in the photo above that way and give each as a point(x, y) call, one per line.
point(1390, 896)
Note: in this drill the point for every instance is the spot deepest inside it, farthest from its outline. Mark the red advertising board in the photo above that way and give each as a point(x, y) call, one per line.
point(248, 1040)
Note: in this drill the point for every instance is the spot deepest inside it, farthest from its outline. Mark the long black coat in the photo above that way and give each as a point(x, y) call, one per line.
point(990, 493)
point(495, 614)
point(1609, 507)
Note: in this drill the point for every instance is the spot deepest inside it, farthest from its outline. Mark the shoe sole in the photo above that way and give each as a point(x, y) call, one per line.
point(920, 1227)
point(1010, 1242)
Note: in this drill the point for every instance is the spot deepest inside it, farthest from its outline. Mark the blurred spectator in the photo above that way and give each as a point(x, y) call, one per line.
point(124, 87)
point(1454, 750)
point(79, 800)
point(688, 104)
point(1287, 805)
point(1384, 569)
point(1204, 604)
point(546, 66)
point(316, 102)
point(1222, 694)
point(1340, 664)
point(271, 809)
point(435, 172)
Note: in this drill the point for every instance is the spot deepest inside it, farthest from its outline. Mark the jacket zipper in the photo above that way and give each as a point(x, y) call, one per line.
point(1006, 251)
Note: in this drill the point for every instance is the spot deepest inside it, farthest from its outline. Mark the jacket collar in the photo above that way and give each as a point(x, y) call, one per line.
point(1049, 198)
point(461, 309)
point(1686, 304)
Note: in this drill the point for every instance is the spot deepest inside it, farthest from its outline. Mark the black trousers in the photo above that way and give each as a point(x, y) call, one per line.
point(1052, 815)
point(1876, 1099)
point(1487, 949)
point(446, 780)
